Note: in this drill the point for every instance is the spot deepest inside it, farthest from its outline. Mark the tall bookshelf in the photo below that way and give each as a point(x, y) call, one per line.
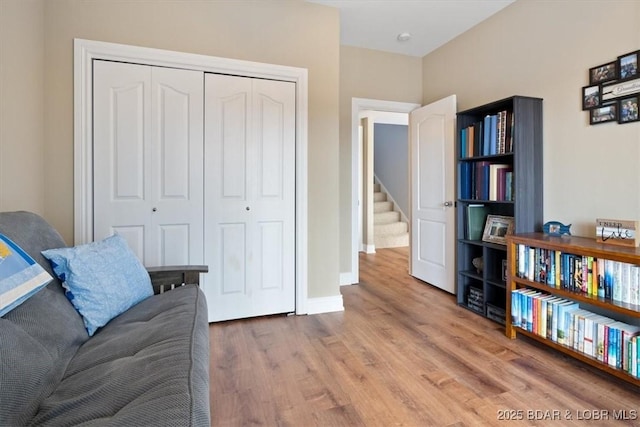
point(588, 328)
point(516, 147)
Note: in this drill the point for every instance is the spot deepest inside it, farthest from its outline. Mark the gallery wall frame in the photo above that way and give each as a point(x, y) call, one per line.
point(612, 92)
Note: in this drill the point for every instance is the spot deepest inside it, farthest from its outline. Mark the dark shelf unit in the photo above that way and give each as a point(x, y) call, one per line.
point(526, 207)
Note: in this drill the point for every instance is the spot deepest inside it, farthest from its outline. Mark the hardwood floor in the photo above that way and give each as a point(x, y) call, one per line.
point(401, 354)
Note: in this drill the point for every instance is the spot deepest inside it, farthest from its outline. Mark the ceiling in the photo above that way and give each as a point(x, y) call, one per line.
point(375, 24)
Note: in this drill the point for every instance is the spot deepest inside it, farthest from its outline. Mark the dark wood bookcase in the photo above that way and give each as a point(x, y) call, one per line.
point(484, 291)
point(581, 246)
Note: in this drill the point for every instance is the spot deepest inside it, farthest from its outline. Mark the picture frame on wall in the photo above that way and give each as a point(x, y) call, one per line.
point(628, 111)
point(496, 229)
point(590, 97)
point(628, 65)
point(603, 73)
point(604, 114)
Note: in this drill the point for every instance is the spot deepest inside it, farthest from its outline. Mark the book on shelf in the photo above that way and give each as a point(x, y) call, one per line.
point(496, 180)
point(488, 137)
point(476, 217)
point(483, 180)
point(611, 342)
point(595, 277)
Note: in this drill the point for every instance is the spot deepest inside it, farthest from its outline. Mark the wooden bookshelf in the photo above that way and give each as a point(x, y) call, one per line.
point(484, 291)
point(580, 246)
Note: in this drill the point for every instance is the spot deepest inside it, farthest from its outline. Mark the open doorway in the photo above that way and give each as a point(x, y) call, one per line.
point(360, 105)
point(383, 180)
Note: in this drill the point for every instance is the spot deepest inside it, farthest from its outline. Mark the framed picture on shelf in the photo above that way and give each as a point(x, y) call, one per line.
point(590, 97)
point(496, 229)
point(604, 114)
point(628, 110)
point(628, 65)
point(603, 73)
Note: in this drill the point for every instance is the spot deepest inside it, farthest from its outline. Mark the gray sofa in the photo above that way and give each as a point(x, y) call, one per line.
point(147, 367)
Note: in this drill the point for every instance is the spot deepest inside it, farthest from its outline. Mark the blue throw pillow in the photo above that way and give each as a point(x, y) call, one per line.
point(102, 279)
point(20, 276)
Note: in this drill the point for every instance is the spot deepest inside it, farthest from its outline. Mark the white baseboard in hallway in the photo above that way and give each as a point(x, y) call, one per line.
point(325, 304)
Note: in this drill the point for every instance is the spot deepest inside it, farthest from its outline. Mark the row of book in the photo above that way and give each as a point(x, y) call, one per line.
point(486, 181)
point(560, 320)
point(596, 277)
point(488, 137)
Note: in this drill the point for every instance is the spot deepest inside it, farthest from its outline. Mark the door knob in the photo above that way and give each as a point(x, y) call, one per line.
point(248, 208)
point(154, 209)
point(448, 204)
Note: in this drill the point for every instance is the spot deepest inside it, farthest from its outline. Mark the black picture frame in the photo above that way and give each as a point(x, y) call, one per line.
point(628, 109)
point(628, 65)
point(603, 73)
point(591, 97)
point(604, 114)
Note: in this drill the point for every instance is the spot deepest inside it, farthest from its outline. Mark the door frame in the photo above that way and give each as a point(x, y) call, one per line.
point(358, 105)
point(85, 51)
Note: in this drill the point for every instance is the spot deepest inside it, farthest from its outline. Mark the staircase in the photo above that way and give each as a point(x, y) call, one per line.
point(389, 230)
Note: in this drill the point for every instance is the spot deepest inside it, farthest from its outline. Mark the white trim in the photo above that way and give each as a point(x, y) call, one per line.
point(85, 51)
point(346, 279)
point(368, 249)
point(358, 105)
point(386, 117)
point(325, 305)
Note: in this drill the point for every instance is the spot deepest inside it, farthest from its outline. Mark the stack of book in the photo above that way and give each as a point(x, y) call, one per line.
point(597, 277)
point(488, 137)
point(563, 321)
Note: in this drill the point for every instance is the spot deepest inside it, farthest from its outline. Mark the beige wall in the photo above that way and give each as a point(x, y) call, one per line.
point(287, 32)
point(21, 105)
point(544, 49)
point(368, 74)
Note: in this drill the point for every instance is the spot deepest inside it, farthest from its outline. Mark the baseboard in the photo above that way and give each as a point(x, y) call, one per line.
point(346, 279)
point(324, 305)
point(369, 249)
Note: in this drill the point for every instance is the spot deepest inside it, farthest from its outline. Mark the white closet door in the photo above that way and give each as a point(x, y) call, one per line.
point(249, 196)
point(148, 169)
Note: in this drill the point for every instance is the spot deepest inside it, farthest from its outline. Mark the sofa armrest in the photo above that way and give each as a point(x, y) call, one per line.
point(165, 278)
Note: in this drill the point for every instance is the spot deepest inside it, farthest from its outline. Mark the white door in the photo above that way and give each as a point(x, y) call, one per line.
point(249, 196)
point(148, 160)
point(432, 145)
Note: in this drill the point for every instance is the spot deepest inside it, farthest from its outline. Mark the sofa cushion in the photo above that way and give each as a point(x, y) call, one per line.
point(45, 329)
point(25, 369)
point(102, 279)
point(148, 366)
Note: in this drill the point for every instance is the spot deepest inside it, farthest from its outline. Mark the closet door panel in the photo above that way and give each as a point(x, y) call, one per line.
point(122, 119)
point(249, 196)
point(148, 160)
point(177, 166)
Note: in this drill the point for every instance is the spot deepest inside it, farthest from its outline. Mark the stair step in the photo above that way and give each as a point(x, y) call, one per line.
point(391, 241)
point(379, 197)
point(376, 188)
point(382, 206)
point(386, 217)
point(390, 228)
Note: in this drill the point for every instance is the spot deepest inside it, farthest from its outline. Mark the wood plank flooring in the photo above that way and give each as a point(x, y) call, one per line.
point(401, 354)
